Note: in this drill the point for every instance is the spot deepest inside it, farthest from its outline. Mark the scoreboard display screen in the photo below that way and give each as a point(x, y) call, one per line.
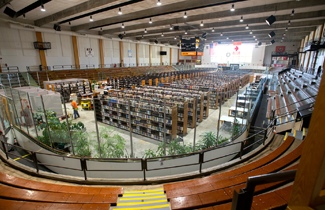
point(191, 47)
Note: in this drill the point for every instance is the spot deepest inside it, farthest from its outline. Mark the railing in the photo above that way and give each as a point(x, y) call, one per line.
point(10, 69)
point(243, 199)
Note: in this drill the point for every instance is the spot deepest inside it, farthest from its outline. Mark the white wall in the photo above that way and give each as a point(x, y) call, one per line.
point(290, 46)
point(16, 49)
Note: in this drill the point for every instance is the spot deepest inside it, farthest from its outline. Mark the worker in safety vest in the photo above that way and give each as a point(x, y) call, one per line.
point(75, 109)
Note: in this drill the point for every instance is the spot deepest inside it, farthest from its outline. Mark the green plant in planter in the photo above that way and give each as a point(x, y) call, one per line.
point(149, 154)
point(235, 129)
point(209, 140)
point(112, 145)
point(222, 139)
point(82, 143)
point(173, 148)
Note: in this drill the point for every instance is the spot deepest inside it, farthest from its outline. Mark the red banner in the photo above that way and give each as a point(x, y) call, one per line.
point(280, 48)
point(194, 57)
point(236, 43)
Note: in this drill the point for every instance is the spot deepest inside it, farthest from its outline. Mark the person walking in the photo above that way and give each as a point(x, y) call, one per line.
point(75, 109)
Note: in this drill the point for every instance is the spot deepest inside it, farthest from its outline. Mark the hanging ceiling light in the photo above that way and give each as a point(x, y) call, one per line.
point(293, 12)
point(120, 11)
point(251, 32)
point(124, 33)
point(185, 16)
point(254, 36)
point(186, 32)
point(201, 23)
point(232, 40)
point(91, 19)
point(150, 21)
point(270, 20)
point(171, 27)
point(25, 17)
point(286, 29)
point(101, 29)
point(122, 25)
point(271, 34)
point(175, 37)
point(289, 22)
point(284, 34)
point(221, 34)
point(232, 7)
point(281, 41)
point(272, 42)
point(69, 23)
point(162, 34)
point(227, 37)
point(282, 37)
point(142, 36)
point(158, 3)
point(43, 8)
point(145, 30)
point(247, 26)
point(212, 29)
point(255, 39)
point(241, 19)
point(212, 41)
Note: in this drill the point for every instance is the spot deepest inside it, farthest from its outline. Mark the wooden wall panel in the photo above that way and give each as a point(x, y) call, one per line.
point(41, 52)
point(75, 51)
point(101, 52)
point(121, 54)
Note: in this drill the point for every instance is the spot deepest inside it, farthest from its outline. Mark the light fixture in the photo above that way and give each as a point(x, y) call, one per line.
point(286, 29)
point(241, 19)
point(91, 19)
point(232, 7)
point(201, 23)
point(25, 16)
point(42, 8)
point(271, 34)
point(247, 26)
point(171, 27)
point(293, 12)
point(212, 41)
point(289, 22)
point(145, 30)
point(282, 37)
point(212, 29)
point(272, 42)
point(251, 32)
point(124, 33)
point(122, 25)
point(270, 20)
point(281, 41)
point(255, 39)
point(175, 37)
point(186, 32)
point(101, 29)
point(120, 11)
point(227, 37)
point(142, 36)
point(162, 34)
point(69, 23)
point(254, 36)
point(221, 34)
point(150, 21)
point(185, 16)
point(284, 34)
point(158, 3)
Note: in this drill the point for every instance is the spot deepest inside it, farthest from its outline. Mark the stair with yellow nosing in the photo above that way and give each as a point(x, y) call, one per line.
point(146, 199)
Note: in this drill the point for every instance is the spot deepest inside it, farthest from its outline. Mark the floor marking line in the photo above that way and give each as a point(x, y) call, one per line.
point(294, 134)
point(303, 132)
point(143, 191)
point(131, 195)
point(26, 155)
point(138, 203)
point(147, 207)
point(285, 136)
point(154, 197)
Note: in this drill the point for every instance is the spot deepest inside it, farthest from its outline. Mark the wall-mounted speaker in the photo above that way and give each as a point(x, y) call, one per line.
point(57, 27)
point(176, 28)
point(11, 13)
point(120, 36)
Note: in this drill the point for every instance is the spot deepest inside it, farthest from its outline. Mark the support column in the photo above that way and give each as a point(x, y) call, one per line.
point(319, 38)
point(178, 56)
point(121, 54)
point(170, 55)
point(161, 57)
point(137, 54)
point(150, 52)
point(41, 52)
point(303, 62)
point(101, 52)
point(310, 52)
point(307, 187)
point(75, 51)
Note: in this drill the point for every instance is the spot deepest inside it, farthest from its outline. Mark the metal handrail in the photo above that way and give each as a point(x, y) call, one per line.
point(243, 199)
